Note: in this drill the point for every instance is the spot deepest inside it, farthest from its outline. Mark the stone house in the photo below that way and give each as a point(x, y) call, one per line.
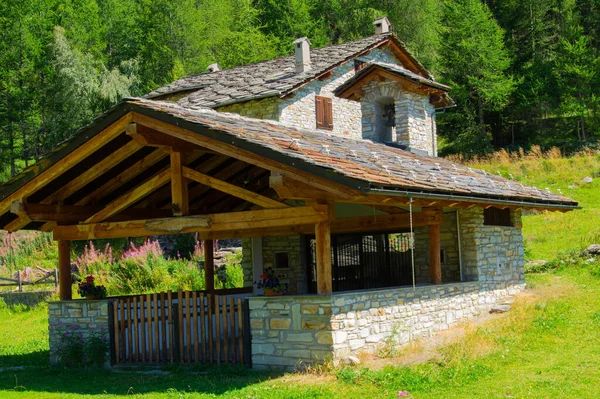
point(380, 241)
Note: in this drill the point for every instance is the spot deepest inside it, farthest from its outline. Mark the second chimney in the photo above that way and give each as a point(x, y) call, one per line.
point(382, 25)
point(302, 51)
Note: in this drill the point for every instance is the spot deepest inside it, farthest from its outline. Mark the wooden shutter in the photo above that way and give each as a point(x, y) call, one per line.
point(324, 112)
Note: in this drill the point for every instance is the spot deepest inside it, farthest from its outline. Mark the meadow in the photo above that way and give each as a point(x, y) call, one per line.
point(545, 347)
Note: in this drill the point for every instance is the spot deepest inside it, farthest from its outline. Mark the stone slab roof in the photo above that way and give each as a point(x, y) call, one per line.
point(268, 78)
point(364, 164)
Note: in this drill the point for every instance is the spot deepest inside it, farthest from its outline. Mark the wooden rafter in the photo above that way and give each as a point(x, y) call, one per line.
point(66, 163)
point(151, 138)
point(131, 196)
point(164, 193)
point(231, 189)
point(212, 223)
point(198, 193)
point(69, 214)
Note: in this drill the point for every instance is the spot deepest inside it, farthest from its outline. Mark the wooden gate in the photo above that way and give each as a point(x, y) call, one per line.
point(181, 327)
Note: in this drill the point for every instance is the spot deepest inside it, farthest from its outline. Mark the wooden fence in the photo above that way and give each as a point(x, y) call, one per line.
point(48, 277)
point(181, 327)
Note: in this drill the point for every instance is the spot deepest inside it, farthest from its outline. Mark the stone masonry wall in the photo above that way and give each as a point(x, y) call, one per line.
point(491, 253)
point(289, 332)
point(261, 109)
point(299, 109)
point(83, 317)
point(294, 275)
point(448, 244)
point(414, 117)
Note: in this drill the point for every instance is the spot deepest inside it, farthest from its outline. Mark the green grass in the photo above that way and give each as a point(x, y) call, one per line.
point(547, 233)
point(546, 347)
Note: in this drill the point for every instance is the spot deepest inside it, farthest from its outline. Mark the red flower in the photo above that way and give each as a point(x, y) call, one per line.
point(89, 279)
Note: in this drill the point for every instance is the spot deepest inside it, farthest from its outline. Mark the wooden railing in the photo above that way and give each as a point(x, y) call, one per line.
point(181, 327)
point(49, 277)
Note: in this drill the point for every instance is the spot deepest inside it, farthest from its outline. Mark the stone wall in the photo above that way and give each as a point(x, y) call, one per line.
point(491, 253)
point(299, 109)
point(293, 331)
point(84, 317)
point(31, 298)
point(266, 108)
point(294, 274)
point(289, 331)
point(414, 117)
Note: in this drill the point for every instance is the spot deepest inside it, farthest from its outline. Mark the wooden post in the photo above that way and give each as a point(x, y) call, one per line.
point(64, 269)
point(19, 281)
point(435, 266)
point(179, 187)
point(323, 238)
point(209, 265)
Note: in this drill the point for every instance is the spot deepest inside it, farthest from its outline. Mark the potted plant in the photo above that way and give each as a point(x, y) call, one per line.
point(270, 284)
point(89, 290)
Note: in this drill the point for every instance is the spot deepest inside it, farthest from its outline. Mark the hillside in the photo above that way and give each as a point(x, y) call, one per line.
point(547, 233)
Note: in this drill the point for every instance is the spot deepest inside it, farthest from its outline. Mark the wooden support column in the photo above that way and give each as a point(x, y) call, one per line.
point(435, 266)
point(323, 241)
point(64, 270)
point(209, 265)
point(179, 187)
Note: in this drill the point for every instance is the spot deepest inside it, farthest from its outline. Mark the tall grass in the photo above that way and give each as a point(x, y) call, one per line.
point(547, 233)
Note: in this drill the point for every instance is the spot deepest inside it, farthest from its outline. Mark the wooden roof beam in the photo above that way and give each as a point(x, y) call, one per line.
point(231, 189)
point(148, 137)
point(180, 203)
point(131, 196)
point(221, 222)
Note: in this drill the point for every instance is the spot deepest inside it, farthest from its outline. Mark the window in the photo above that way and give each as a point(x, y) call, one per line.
point(282, 260)
point(496, 217)
point(324, 111)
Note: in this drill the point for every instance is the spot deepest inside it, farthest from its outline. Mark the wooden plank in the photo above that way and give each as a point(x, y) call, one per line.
point(117, 347)
point(152, 138)
point(225, 330)
point(231, 337)
point(156, 325)
point(67, 162)
point(179, 187)
point(323, 244)
point(149, 324)
point(232, 189)
point(240, 330)
point(64, 268)
point(243, 155)
point(181, 325)
point(188, 327)
point(248, 220)
point(171, 329)
point(177, 225)
point(203, 339)
point(217, 330)
point(122, 304)
point(131, 196)
point(196, 339)
point(210, 298)
point(142, 337)
point(135, 342)
point(163, 326)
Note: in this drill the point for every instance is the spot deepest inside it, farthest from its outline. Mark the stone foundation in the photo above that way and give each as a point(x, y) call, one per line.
point(83, 317)
point(292, 331)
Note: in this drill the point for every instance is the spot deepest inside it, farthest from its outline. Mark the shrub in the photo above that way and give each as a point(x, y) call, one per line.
point(94, 261)
point(70, 349)
point(96, 348)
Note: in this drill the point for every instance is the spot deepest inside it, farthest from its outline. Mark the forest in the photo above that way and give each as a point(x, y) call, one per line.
point(522, 72)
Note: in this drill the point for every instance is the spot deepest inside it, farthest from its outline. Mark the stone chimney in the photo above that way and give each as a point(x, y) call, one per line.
point(214, 68)
point(302, 51)
point(382, 25)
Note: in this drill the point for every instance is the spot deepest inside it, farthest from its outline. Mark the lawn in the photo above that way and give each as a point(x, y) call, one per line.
point(545, 347)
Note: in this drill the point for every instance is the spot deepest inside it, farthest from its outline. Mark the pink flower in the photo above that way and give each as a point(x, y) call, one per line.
point(403, 393)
